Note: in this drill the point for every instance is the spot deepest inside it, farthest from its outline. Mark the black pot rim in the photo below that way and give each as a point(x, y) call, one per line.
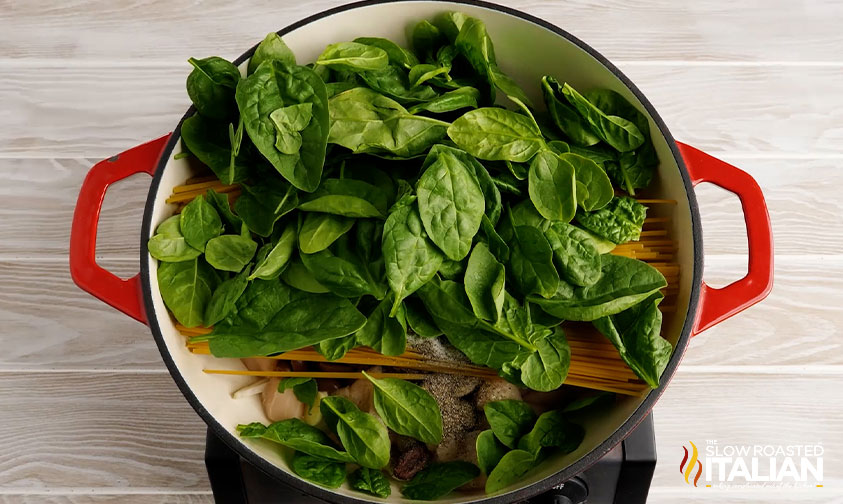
point(522, 493)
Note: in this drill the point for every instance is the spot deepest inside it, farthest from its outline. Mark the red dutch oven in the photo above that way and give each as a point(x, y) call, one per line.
point(526, 48)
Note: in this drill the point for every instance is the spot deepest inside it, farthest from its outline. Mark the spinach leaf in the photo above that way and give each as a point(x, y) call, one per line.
point(289, 122)
point(363, 436)
point(169, 245)
point(260, 302)
point(186, 288)
point(411, 259)
point(370, 481)
point(621, 134)
point(306, 320)
point(230, 252)
point(394, 82)
point(305, 389)
point(220, 203)
point(624, 283)
point(510, 469)
point(353, 56)
point(387, 335)
point(635, 169)
point(271, 48)
point(497, 134)
point(423, 72)
point(451, 270)
point(275, 85)
point(365, 121)
point(426, 39)
point(224, 298)
point(211, 85)
point(318, 470)
point(635, 332)
point(278, 256)
point(483, 343)
point(450, 23)
point(419, 320)
point(348, 197)
point(396, 54)
point(450, 201)
point(199, 222)
point(497, 245)
point(552, 187)
point(576, 257)
point(439, 480)
point(298, 276)
point(460, 98)
point(208, 141)
point(336, 348)
point(343, 271)
point(566, 118)
point(531, 262)
point(599, 191)
point(261, 205)
point(294, 433)
point(407, 409)
point(474, 43)
point(509, 420)
point(546, 368)
point(320, 230)
point(489, 451)
point(552, 430)
point(485, 283)
point(619, 222)
point(508, 183)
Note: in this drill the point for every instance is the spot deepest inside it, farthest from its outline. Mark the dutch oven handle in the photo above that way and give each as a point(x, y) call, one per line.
point(123, 294)
point(717, 305)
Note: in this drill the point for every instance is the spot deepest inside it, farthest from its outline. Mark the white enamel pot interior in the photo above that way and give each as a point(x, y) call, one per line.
point(526, 50)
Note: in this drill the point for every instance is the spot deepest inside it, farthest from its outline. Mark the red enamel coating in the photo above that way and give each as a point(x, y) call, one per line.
point(717, 305)
point(125, 295)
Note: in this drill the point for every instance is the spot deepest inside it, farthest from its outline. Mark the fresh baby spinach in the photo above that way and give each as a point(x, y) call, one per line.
point(275, 85)
point(619, 222)
point(362, 435)
point(294, 433)
point(272, 47)
point(450, 202)
point(370, 481)
point(407, 409)
point(497, 134)
point(438, 480)
point(318, 470)
point(211, 86)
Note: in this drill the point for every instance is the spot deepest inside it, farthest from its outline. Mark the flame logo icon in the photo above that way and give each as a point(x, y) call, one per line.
point(686, 467)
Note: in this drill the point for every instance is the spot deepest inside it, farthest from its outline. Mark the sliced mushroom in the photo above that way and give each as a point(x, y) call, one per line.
point(259, 364)
point(496, 390)
point(281, 405)
point(360, 392)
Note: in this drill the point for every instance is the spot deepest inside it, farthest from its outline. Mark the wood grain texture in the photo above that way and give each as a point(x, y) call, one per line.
point(80, 430)
point(94, 496)
point(774, 30)
point(42, 195)
point(49, 323)
point(748, 409)
point(97, 111)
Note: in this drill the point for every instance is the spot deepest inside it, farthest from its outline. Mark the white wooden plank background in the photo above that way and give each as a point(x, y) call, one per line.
point(758, 83)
